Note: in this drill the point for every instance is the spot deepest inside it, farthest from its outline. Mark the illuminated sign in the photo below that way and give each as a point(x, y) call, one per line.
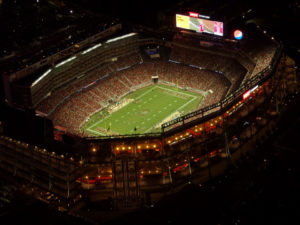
point(199, 25)
point(196, 15)
point(203, 16)
point(193, 14)
point(246, 94)
point(238, 35)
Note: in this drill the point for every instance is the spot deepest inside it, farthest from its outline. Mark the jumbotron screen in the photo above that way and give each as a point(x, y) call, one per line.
point(199, 24)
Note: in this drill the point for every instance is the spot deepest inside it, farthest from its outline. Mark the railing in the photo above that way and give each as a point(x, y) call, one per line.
point(121, 136)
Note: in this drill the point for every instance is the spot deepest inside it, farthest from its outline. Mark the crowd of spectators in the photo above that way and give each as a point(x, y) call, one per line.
point(254, 54)
point(260, 49)
point(213, 75)
point(264, 59)
point(74, 104)
point(227, 66)
point(213, 85)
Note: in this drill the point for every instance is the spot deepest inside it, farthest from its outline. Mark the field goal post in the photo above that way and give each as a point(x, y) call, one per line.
point(154, 79)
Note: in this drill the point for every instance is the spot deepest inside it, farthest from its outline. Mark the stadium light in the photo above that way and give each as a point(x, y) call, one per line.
point(247, 93)
point(121, 37)
point(66, 61)
point(41, 77)
point(91, 49)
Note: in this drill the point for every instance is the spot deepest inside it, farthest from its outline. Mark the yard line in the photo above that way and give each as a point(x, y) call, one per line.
point(176, 91)
point(190, 99)
point(93, 131)
point(194, 97)
point(96, 124)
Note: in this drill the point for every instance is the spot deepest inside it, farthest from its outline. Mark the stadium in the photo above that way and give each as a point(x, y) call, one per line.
point(146, 112)
point(103, 86)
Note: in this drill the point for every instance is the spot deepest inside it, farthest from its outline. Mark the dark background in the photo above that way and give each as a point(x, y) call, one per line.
point(260, 189)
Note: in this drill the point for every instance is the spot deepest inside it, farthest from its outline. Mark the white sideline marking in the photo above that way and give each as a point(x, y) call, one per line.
point(93, 131)
point(139, 106)
point(177, 92)
point(194, 97)
point(96, 124)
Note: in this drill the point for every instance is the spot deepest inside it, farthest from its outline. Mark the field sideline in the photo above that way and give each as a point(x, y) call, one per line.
point(151, 106)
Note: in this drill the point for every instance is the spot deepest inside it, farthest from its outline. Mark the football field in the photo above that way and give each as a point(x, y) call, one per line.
point(144, 112)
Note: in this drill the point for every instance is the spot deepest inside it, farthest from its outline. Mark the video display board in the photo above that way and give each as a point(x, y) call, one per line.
point(199, 25)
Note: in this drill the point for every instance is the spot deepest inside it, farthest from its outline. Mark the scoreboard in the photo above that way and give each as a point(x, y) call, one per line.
point(199, 24)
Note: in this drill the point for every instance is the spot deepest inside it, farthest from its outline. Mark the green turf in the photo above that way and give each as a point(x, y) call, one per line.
point(150, 107)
